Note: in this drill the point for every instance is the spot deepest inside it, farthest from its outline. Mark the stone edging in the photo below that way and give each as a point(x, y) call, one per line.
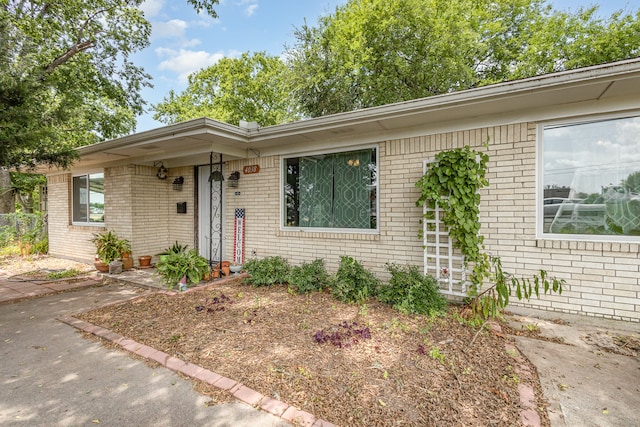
point(238, 390)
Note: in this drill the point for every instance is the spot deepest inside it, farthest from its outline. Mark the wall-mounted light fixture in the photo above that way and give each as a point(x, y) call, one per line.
point(162, 171)
point(216, 176)
point(177, 183)
point(233, 179)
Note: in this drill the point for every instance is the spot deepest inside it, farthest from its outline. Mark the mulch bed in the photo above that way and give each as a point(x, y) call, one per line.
point(350, 365)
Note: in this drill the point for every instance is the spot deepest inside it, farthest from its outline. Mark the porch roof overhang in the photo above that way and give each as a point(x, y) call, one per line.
point(188, 142)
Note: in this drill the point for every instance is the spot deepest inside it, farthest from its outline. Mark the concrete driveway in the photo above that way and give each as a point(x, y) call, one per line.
point(50, 375)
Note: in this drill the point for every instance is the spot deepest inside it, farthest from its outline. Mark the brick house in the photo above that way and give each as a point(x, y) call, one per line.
point(344, 185)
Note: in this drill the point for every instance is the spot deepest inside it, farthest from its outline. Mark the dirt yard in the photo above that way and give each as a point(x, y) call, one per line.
point(353, 366)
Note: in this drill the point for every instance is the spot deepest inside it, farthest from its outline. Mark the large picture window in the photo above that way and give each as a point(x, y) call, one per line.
point(332, 191)
point(88, 198)
point(591, 179)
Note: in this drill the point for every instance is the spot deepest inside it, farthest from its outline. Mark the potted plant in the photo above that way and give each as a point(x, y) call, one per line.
point(224, 268)
point(109, 247)
point(179, 266)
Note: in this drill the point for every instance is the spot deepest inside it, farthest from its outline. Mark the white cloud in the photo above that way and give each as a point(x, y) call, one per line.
point(151, 8)
point(169, 29)
point(184, 62)
point(251, 9)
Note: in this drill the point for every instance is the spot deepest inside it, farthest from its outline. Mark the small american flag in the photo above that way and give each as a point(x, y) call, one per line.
point(239, 213)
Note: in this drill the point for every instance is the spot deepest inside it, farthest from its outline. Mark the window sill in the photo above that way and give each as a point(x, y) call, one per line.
point(622, 247)
point(333, 235)
point(87, 226)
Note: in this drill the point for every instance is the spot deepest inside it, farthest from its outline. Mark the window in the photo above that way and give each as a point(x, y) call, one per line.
point(334, 190)
point(88, 198)
point(591, 179)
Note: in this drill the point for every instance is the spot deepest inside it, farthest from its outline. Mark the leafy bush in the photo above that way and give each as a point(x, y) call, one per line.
point(22, 229)
point(7, 236)
point(309, 277)
point(411, 292)
point(173, 266)
point(41, 246)
point(267, 271)
point(352, 283)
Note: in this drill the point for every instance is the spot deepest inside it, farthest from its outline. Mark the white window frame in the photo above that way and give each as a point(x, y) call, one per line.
point(83, 223)
point(283, 198)
point(540, 234)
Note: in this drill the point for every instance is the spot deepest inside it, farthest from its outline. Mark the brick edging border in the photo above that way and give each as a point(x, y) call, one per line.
point(238, 390)
point(528, 405)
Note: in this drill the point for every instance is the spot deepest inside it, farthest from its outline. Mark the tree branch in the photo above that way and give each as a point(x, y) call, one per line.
point(70, 53)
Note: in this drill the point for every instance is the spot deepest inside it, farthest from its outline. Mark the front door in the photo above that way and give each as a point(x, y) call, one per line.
point(210, 214)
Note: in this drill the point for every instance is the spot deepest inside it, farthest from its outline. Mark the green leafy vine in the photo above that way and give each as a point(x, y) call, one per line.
point(453, 182)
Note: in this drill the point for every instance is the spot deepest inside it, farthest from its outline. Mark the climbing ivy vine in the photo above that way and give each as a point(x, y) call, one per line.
point(453, 182)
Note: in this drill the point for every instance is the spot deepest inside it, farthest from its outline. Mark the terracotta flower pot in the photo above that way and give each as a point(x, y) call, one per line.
point(101, 266)
point(127, 261)
point(224, 267)
point(144, 260)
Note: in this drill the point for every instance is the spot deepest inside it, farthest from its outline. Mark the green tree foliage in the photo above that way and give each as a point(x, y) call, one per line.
point(26, 187)
point(632, 182)
point(375, 52)
point(251, 87)
point(66, 78)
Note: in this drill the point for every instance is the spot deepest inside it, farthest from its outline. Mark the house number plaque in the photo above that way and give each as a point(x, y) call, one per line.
point(251, 169)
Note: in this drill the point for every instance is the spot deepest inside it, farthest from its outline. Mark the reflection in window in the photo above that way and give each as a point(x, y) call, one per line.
point(336, 190)
point(88, 198)
point(591, 174)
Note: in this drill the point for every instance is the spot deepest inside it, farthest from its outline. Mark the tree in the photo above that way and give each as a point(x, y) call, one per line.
point(26, 187)
point(375, 52)
point(66, 78)
point(251, 87)
point(632, 182)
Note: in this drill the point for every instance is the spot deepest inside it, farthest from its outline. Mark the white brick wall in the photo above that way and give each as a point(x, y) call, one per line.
point(603, 279)
point(138, 207)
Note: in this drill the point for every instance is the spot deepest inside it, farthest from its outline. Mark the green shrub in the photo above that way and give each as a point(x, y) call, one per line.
point(267, 271)
point(411, 292)
point(8, 236)
point(352, 283)
point(309, 277)
point(41, 246)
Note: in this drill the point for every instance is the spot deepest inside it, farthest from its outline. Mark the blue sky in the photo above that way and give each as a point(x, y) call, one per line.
point(183, 42)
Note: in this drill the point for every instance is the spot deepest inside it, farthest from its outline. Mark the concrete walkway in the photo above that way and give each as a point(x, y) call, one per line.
point(14, 289)
point(51, 375)
point(585, 385)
